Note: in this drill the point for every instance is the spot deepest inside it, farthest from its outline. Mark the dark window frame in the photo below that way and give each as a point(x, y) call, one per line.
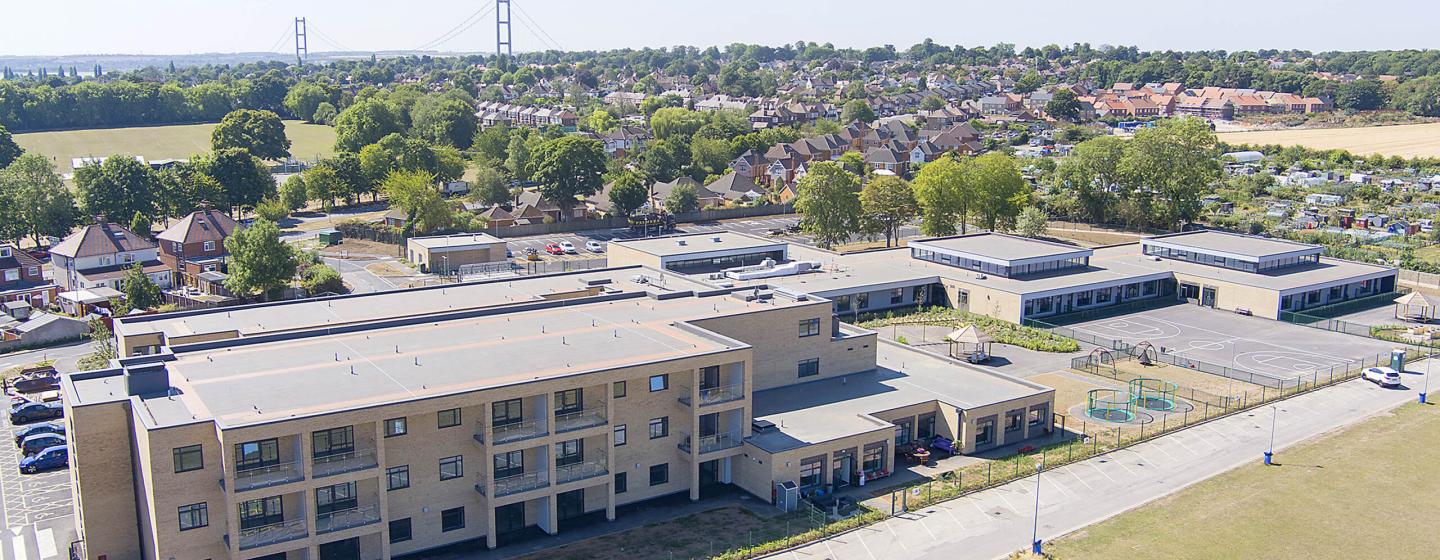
point(618, 390)
point(622, 482)
point(181, 453)
point(401, 472)
point(809, 327)
point(664, 423)
point(199, 515)
point(664, 379)
point(403, 423)
point(440, 419)
point(804, 368)
point(401, 535)
point(447, 523)
point(346, 441)
point(664, 470)
point(458, 461)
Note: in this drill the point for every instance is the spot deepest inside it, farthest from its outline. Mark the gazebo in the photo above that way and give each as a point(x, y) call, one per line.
point(970, 344)
point(1414, 306)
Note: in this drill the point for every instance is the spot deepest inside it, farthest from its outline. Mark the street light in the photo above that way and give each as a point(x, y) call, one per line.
point(1270, 454)
point(1035, 531)
point(1428, 359)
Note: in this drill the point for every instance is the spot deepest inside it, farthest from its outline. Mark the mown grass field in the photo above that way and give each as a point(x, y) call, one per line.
point(1406, 140)
point(307, 141)
point(1370, 491)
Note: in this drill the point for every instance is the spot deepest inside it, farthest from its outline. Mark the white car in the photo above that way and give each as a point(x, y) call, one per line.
point(1382, 376)
point(594, 246)
point(567, 246)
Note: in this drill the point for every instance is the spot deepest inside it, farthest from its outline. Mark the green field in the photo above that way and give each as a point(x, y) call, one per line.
point(1370, 491)
point(307, 142)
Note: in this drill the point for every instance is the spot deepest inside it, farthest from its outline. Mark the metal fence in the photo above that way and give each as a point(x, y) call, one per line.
point(1343, 308)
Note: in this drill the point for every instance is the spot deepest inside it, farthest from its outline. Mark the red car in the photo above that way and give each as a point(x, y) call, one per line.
point(554, 249)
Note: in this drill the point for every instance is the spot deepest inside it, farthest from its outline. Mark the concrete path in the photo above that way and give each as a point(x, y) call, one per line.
point(996, 522)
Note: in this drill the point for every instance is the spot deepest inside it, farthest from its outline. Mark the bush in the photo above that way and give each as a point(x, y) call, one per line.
point(271, 209)
point(321, 279)
point(1004, 332)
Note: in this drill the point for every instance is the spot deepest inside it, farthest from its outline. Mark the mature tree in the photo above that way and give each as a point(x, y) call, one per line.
point(493, 144)
point(117, 188)
point(671, 122)
point(943, 191)
point(827, 198)
point(260, 132)
point(599, 121)
point(683, 199)
point(1092, 173)
point(1063, 106)
point(184, 188)
point(853, 162)
point(141, 225)
point(708, 156)
point(569, 167)
point(304, 100)
point(243, 176)
point(490, 186)
point(1032, 222)
point(886, 203)
point(518, 160)
point(322, 184)
point(443, 119)
point(857, 110)
point(325, 113)
point(293, 193)
point(32, 189)
point(140, 291)
point(1029, 82)
point(629, 193)
point(321, 279)
point(664, 159)
point(260, 263)
point(9, 150)
point(272, 209)
point(1177, 160)
point(364, 123)
point(414, 193)
point(932, 103)
point(1360, 95)
point(1000, 190)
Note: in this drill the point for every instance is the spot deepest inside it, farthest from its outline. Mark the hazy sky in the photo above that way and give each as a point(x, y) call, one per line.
point(195, 26)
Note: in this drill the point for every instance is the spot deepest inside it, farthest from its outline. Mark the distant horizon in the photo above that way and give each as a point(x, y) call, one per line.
point(157, 28)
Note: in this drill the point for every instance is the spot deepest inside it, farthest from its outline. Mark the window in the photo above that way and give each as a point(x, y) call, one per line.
point(12, 275)
point(339, 497)
point(842, 303)
point(659, 427)
point(209, 245)
point(447, 418)
point(985, 431)
point(396, 427)
point(505, 413)
point(620, 483)
point(262, 512)
point(620, 435)
point(897, 296)
point(34, 271)
point(452, 519)
point(188, 459)
point(874, 459)
point(812, 472)
point(925, 427)
point(904, 429)
point(257, 454)
point(194, 516)
point(508, 464)
point(862, 300)
point(567, 402)
point(659, 474)
point(1036, 416)
point(400, 530)
point(326, 443)
point(659, 382)
point(569, 452)
point(809, 367)
point(397, 478)
point(1013, 420)
point(618, 389)
point(809, 327)
point(452, 467)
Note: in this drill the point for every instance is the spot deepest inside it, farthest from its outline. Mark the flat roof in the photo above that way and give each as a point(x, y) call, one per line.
point(696, 243)
point(839, 407)
point(443, 241)
point(1234, 245)
point(998, 248)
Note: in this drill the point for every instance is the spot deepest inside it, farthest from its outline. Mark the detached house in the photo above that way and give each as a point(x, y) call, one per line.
point(195, 245)
point(22, 279)
point(99, 254)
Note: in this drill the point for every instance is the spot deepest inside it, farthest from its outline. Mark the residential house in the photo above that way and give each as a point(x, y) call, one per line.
point(22, 278)
point(626, 140)
point(196, 245)
point(100, 253)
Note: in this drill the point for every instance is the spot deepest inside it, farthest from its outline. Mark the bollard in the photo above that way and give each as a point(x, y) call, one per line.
point(1268, 456)
point(1422, 398)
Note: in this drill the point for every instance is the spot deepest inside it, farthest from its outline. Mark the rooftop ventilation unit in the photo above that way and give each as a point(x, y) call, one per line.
point(716, 239)
point(680, 242)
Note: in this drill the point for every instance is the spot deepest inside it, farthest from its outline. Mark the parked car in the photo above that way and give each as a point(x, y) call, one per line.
point(554, 249)
point(40, 442)
point(46, 459)
point(568, 247)
point(1382, 376)
point(30, 412)
point(594, 246)
point(37, 429)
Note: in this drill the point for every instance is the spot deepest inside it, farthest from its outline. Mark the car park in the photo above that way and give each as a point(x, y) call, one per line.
point(46, 459)
point(40, 442)
point(30, 412)
point(567, 247)
point(594, 246)
point(37, 429)
point(1382, 376)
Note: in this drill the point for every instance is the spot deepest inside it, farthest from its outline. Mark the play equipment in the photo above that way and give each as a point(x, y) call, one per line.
point(1152, 394)
point(1110, 405)
point(1144, 353)
point(1100, 357)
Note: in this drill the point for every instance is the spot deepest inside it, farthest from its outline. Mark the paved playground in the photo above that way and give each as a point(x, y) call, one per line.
point(1265, 348)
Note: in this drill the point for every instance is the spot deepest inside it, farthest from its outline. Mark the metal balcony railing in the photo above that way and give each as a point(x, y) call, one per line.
point(271, 475)
point(346, 519)
point(519, 431)
point(273, 533)
point(520, 483)
point(589, 468)
point(715, 395)
point(580, 419)
point(341, 463)
point(708, 444)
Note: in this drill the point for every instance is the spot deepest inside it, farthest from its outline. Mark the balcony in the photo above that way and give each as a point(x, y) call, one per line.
point(346, 519)
point(590, 468)
point(267, 476)
point(715, 395)
point(580, 419)
point(273, 533)
point(710, 444)
point(518, 483)
point(519, 431)
point(341, 463)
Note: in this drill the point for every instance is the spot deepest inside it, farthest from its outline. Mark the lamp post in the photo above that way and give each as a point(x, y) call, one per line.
point(1035, 530)
point(1426, 389)
point(1270, 453)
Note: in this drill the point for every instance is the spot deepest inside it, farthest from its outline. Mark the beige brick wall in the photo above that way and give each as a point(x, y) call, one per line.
point(620, 254)
point(1262, 302)
point(984, 300)
point(104, 490)
point(775, 334)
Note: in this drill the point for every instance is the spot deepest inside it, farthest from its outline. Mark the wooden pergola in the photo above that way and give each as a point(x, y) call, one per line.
point(1414, 306)
point(967, 341)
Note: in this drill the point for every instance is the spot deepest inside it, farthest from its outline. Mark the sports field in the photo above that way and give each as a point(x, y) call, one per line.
point(307, 142)
point(1365, 492)
point(1406, 140)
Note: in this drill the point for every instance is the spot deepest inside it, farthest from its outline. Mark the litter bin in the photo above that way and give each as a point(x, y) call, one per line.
point(1397, 360)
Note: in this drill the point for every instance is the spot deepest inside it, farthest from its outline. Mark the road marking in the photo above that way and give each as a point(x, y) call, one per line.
point(45, 540)
point(17, 544)
point(953, 517)
point(1097, 469)
point(1072, 474)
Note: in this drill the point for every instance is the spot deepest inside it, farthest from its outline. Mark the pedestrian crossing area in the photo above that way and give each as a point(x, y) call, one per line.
point(41, 541)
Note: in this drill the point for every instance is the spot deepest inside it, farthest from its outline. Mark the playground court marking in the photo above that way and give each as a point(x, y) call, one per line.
point(1287, 361)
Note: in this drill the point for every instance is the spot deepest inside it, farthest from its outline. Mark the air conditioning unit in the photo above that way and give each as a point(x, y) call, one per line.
point(980, 276)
